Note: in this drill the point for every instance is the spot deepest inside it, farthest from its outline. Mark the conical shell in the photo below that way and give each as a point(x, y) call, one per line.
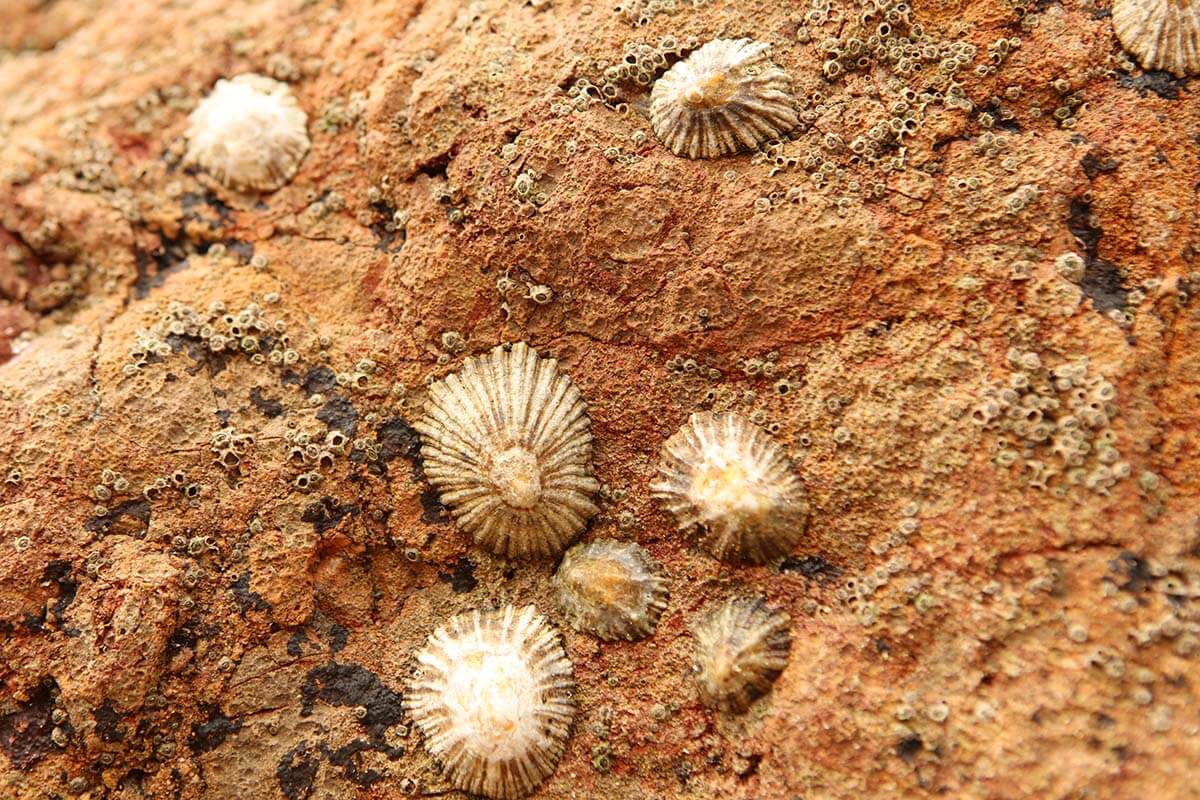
point(493, 698)
point(724, 98)
point(613, 590)
point(724, 475)
point(249, 133)
point(507, 443)
point(741, 647)
point(1161, 34)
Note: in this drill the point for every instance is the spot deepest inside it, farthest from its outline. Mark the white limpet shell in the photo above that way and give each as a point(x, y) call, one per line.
point(1161, 34)
point(741, 647)
point(493, 698)
point(249, 133)
point(724, 98)
point(613, 590)
point(507, 443)
point(724, 475)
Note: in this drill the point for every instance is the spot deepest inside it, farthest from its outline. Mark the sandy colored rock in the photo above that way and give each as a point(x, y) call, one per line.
point(960, 295)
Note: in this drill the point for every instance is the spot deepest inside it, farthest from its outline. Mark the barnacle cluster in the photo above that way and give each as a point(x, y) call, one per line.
point(249, 133)
point(218, 329)
point(228, 446)
point(613, 590)
point(1054, 423)
point(1162, 34)
point(742, 646)
point(493, 696)
point(723, 98)
point(722, 474)
point(506, 441)
point(640, 12)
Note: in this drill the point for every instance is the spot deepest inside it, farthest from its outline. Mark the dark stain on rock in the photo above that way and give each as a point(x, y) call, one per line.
point(1097, 162)
point(433, 510)
point(1135, 571)
point(1102, 281)
point(338, 636)
point(346, 757)
point(1161, 83)
point(138, 510)
point(398, 439)
point(205, 208)
point(339, 414)
point(247, 600)
point(296, 772)
point(908, 747)
point(25, 733)
point(108, 723)
point(811, 567)
point(269, 408)
point(462, 577)
point(326, 513)
point(319, 380)
point(295, 644)
point(211, 733)
point(352, 685)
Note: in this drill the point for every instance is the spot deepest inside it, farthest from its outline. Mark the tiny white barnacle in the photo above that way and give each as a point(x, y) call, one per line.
point(507, 443)
point(724, 98)
point(613, 590)
point(728, 478)
point(1162, 34)
point(493, 698)
point(249, 133)
point(741, 647)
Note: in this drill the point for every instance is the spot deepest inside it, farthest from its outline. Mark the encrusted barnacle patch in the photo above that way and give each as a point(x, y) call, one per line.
point(613, 590)
point(493, 697)
point(1162, 34)
point(249, 133)
point(724, 475)
point(507, 443)
point(724, 98)
point(741, 647)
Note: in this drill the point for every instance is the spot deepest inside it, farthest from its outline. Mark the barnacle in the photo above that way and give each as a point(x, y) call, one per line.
point(493, 697)
point(249, 133)
point(727, 477)
point(506, 441)
point(613, 590)
point(741, 647)
point(725, 97)
point(1163, 34)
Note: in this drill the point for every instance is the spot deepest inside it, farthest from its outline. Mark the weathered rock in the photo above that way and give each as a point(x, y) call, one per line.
point(976, 343)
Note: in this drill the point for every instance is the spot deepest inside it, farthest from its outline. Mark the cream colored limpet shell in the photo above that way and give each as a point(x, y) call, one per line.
point(249, 133)
point(493, 698)
point(506, 441)
point(724, 475)
point(1161, 34)
point(613, 590)
point(741, 647)
point(724, 98)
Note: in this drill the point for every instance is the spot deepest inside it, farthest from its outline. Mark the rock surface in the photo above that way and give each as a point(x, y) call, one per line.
point(982, 607)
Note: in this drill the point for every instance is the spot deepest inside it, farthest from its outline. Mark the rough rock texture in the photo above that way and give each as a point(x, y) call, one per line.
point(978, 610)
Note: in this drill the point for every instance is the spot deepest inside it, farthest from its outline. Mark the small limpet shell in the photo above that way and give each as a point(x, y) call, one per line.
point(741, 647)
point(613, 590)
point(726, 476)
point(723, 98)
point(249, 133)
